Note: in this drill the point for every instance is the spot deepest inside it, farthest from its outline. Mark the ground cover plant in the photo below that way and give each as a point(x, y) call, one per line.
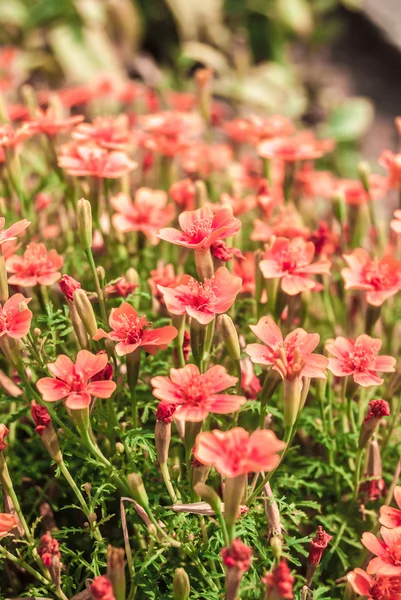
point(199, 328)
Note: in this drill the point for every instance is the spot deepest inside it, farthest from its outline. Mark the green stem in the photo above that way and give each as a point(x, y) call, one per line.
point(99, 290)
point(357, 475)
point(166, 477)
point(80, 498)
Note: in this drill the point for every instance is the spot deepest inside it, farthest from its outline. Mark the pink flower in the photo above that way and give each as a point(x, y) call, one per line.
point(291, 261)
point(301, 146)
point(318, 545)
point(164, 275)
point(120, 287)
point(4, 431)
point(292, 356)
point(68, 285)
point(387, 551)
point(359, 359)
point(7, 523)
point(280, 582)
point(355, 193)
point(235, 452)
point(245, 269)
point(12, 232)
point(12, 138)
point(202, 301)
point(82, 161)
point(392, 162)
point(107, 132)
point(132, 332)
point(46, 122)
point(195, 394)
point(36, 266)
point(200, 228)
point(380, 278)
point(102, 589)
point(15, 317)
point(72, 381)
point(148, 213)
point(237, 556)
point(48, 550)
point(381, 588)
point(391, 517)
point(183, 194)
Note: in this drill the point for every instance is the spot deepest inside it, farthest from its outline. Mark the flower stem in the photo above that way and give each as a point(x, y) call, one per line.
point(99, 290)
point(357, 475)
point(166, 477)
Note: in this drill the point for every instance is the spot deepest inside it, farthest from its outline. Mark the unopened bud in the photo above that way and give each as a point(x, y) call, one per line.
point(317, 547)
point(377, 410)
point(101, 274)
point(138, 489)
point(116, 571)
point(200, 194)
point(132, 276)
point(339, 207)
point(291, 399)
point(37, 332)
point(119, 448)
point(208, 495)
point(364, 172)
point(88, 488)
point(92, 518)
point(181, 585)
point(45, 429)
point(229, 334)
point(85, 311)
point(276, 545)
point(84, 223)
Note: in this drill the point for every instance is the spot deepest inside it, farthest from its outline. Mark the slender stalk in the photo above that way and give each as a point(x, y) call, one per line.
point(166, 478)
point(357, 475)
point(99, 290)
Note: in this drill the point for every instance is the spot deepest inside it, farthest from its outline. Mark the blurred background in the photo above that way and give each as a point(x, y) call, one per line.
point(333, 64)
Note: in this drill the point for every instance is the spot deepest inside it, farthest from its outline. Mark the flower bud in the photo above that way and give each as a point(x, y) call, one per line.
point(78, 326)
point(84, 223)
point(237, 559)
point(200, 194)
point(138, 489)
point(132, 276)
point(181, 585)
point(116, 571)
point(85, 311)
point(317, 547)
point(377, 410)
point(279, 583)
point(45, 429)
point(208, 495)
point(68, 285)
point(102, 589)
point(339, 207)
point(101, 273)
point(372, 486)
point(276, 545)
point(119, 448)
point(272, 513)
point(164, 417)
point(229, 334)
point(364, 172)
point(49, 552)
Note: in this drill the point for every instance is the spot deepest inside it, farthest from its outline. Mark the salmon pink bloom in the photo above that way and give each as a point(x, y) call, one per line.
point(380, 278)
point(169, 132)
point(12, 232)
point(196, 395)
point(291, 261)
point(381, 588)
point(120, 287)
point(245, 269)
point(72, 382)
point(202, 301)
point(7, 523)
point(148, 213)
point(359, 359)
point(132, 332)
point(254, 129)
point(36, 266)
point(395, 224)
point(301, 146)
point(164, 275)
point(47, 122)
point(183, 194)
point(391, 517)
point(107, 132)
point(15, 317)
point(392, 162)
point(68, 285)
point(290, 356)
point(387, 551)
point(200, 228)
point(200, 160)
point(4, 431)
point(355, 193)
point(235, 452)
point(85, 160)
point(11, 138)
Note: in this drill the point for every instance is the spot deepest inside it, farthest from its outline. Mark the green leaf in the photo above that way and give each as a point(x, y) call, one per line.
point(349, 121)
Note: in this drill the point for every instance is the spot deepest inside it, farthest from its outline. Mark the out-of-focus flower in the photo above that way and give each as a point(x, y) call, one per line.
point(12, 232)
point(40, 416)
point(380, 278)
point(11, 138)
point(392, 162)
point(379, 588)
point(170, 132)
point(72, 381)
point(239, 204)
point(131, 331)
point(121, 288)
point(254, 129)
point(223, 253)
point(107, 132)
point(84, 160)
point(290, 356)
point(301, 146)
point(235, 452)
point(46, 121)
point(202, 301)
point(200, 160)
point(164, 275)
point(312, 183)
point(250, 383)
point(105, 374)
point(391, 517)
point(7, 523)
point(326, 240)
point(291, 262)
point(15, 317)
point(182, 101)
point(196, 395)
point(245, 269)
point(280, 582)
point(360, 359)
point(387, 551)
point(148, 213)
point(102, 588)
point(48, 549)
point(201, 228)
point(395, 224)
point(355, 193)
point(35, 266)
point(237, 556)
point(4, 431)
point(183, 194)
point(286, 222)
